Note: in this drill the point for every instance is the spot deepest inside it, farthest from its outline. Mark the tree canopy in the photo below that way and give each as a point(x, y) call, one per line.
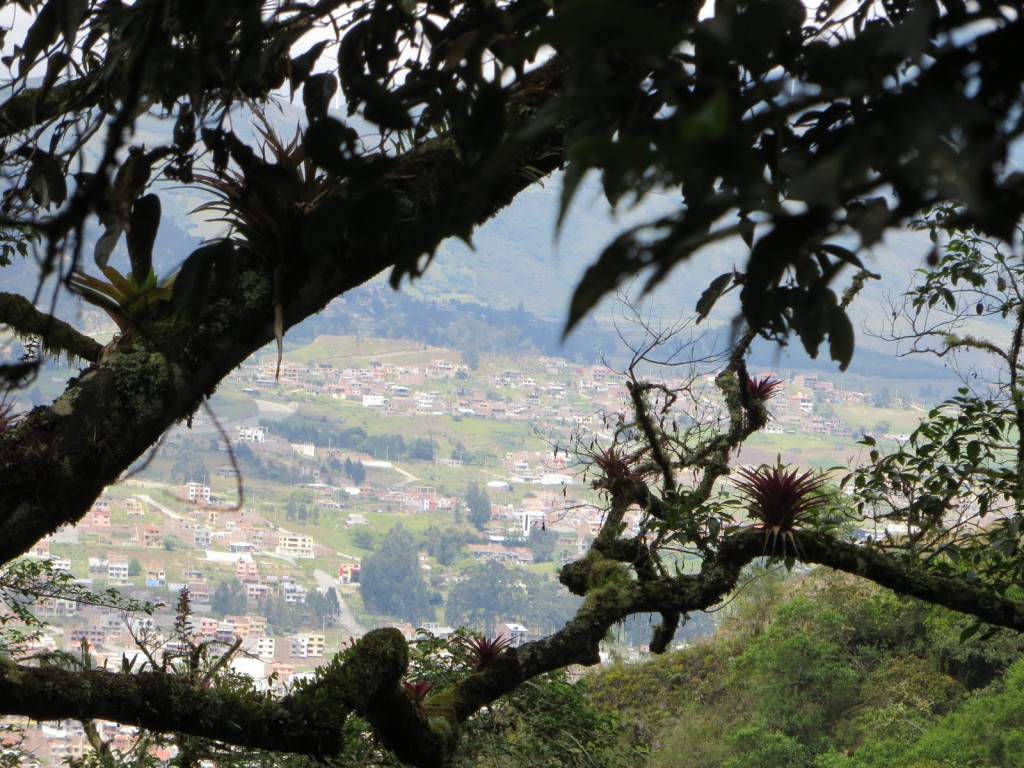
point(805, 135)
point(391, 580)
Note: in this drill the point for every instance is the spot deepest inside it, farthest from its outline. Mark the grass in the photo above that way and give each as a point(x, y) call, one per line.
point(230, 405)
point(359, 351)
point(820, 451)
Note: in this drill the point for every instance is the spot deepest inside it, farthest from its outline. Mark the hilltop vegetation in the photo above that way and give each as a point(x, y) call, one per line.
point(823, 671)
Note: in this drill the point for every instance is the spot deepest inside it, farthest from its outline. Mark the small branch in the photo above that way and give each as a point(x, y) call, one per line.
point(856, 285)
point(57, 336)
point(643, 418)
point(974, 342)
point(30, 107)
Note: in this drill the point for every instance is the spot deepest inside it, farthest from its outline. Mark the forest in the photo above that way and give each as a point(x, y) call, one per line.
point(803, 136)
point(824, 670)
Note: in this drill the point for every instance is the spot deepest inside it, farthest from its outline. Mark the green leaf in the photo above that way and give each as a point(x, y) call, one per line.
point(712, 294)
point(970, 632)
point(185, 128)
point(317, 94)
point(45, 180)
point(574, 173)
point(106, 243)
point(974, 450)
point(329, 144)
point(301, 66)
point(142, 229)
point(610, 25)
point(381, 106)
point(841, 339)
point(40, 36)
point(711, 121)
point(70, 14)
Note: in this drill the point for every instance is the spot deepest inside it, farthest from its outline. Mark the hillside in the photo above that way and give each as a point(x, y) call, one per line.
point(821, 670)
point(513, 285)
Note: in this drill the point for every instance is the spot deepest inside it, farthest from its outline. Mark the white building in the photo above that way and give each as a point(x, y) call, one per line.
point(252, 434)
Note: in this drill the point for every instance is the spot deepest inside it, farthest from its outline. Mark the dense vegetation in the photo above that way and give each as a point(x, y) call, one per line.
point(823, 670)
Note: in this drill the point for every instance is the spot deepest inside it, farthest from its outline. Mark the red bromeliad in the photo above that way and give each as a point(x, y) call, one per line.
point(486, 649)
point(617, 468)
point(417, 691)
point(780, 499)
point(764, 388)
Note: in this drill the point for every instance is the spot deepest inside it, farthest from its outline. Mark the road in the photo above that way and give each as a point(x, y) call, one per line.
point(346, 619)
point(149, 500)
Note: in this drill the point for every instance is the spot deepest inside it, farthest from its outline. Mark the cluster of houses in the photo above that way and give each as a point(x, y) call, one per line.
point(274, 664)
point(555, 391)
point(799, 408)
point(229, 539)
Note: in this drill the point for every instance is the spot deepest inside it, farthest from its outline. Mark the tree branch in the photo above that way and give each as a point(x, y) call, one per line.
point(57, 337)
point(308, 721)
point(907, 577)
point(167, 703)
point(63, 456)
point(31, 107)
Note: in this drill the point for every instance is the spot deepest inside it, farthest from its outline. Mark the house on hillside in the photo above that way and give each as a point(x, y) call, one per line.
point(295, 545)
point(155, 575)
point(117, 572)
point(197, 493)
point(307, 646)
point(515, 634)
point(152, 536)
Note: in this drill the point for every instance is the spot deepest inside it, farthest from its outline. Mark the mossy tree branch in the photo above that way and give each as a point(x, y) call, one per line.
point(56, 336)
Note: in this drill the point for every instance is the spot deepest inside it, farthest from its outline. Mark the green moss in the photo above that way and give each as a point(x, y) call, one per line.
point(441, 711)
point(380, 658)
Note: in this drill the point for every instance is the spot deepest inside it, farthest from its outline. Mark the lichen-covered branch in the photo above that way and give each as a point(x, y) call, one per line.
point(906, 576)
point(32, 107)
point(56, 336)
point(308, 721)
point(167, 703)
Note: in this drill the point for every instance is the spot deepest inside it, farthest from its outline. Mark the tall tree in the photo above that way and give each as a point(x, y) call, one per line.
point(391, 580)
point(228, 598)
point(800, 134)
point(489, 593)
point(479, 504)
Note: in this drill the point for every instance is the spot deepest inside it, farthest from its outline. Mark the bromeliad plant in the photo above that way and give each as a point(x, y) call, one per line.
point(417, 691)
point(484, 650)
point(126, 298)
point(616, 468)
point(780, 500)
point(8, 417)
point(763, 388)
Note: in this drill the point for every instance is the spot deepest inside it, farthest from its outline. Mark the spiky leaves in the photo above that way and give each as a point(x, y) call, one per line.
point(8, 418)
point(617, 468)
point(780, 499)
point(126, 298)
point(763, 388)
point(417, 691)
point(484, 650)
